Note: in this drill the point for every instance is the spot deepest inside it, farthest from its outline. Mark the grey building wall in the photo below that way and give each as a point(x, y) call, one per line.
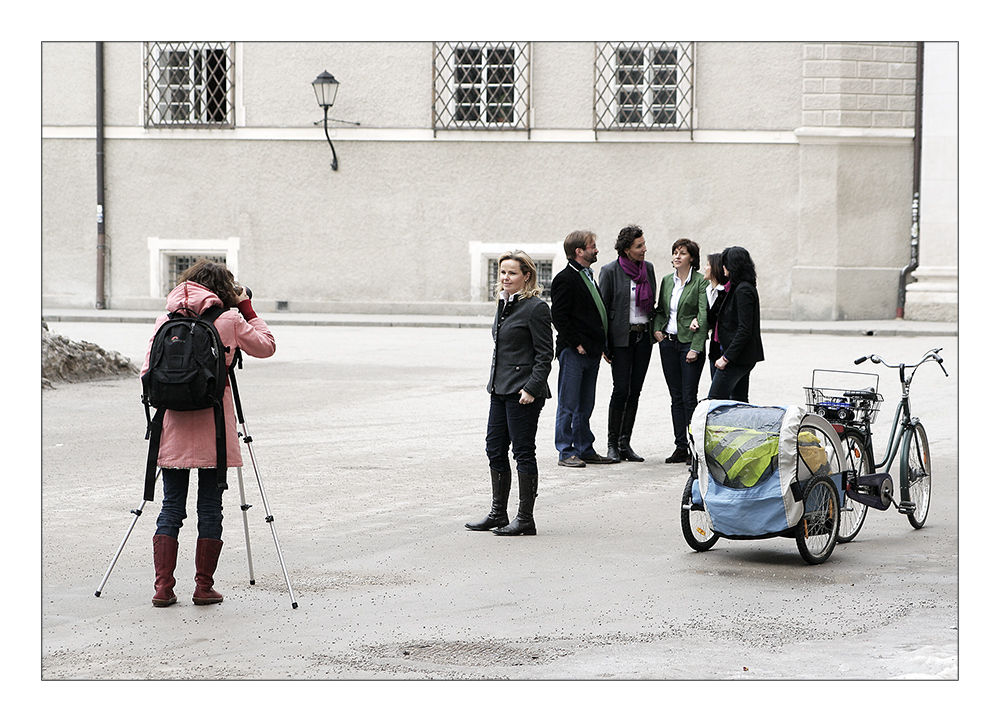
point(779, 161)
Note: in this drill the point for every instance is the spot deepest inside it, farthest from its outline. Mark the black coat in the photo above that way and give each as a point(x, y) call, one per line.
point(575, 314)
point(522, 350)
point(739, 325)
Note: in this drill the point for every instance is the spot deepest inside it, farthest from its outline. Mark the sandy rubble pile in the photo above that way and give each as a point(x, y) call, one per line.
point(64, 360)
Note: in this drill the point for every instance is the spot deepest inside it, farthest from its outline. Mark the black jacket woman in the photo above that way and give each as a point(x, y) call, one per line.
point(738, 327)
point(518, 386)
point(628, 288)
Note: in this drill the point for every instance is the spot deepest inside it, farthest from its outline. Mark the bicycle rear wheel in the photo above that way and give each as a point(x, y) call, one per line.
point(859, 460)
point(695, 524)
point(816, 532)
point(915, 475)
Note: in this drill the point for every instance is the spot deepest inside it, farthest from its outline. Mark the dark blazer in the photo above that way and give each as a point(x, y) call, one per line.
point(522, 348)
point(739, 325)
point(616, 290)
point(714, 350)
point(692, 304)
point(575, 314)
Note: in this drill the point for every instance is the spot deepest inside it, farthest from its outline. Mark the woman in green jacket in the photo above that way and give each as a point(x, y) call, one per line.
point(682, 351)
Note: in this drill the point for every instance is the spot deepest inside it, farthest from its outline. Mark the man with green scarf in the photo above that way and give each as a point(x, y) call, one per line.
point(581, 323)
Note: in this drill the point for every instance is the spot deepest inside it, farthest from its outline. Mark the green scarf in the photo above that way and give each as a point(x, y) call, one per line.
point(597, 297)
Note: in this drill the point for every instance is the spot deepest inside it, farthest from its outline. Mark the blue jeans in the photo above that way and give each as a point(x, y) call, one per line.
point(682, 381)
point(174, 509)
point(577, 393)
point(732, 382)
point(512, 425)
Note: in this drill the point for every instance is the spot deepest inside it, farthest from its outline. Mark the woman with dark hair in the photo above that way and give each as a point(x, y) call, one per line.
point(518, 386)
point(628, 288)
point(715, 293)
point(188, 438)
point(738, 328)
point(679, 328)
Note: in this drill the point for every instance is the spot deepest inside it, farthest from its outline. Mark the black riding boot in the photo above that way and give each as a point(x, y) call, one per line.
point(500, 483)
point(524, 522)
point(628, 421)
point(615, 414)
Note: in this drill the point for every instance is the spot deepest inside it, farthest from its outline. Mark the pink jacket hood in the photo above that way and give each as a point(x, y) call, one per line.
point(192, 295)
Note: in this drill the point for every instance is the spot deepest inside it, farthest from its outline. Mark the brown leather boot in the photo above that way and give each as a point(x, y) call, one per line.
point(164, 562)
point(206, 559)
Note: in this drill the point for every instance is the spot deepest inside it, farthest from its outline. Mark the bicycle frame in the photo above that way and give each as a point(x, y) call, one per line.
point(903, 422)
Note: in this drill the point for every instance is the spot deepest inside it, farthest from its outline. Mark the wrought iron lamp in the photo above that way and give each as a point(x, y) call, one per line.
point(326, 87)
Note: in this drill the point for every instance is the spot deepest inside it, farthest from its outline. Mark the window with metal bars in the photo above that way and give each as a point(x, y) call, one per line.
point(177, 264)
point(190, 85)
point(643, 86)
point(544, 268)
point(480, 85)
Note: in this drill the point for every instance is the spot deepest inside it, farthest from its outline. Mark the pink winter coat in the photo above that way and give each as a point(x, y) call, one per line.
point(188, 440)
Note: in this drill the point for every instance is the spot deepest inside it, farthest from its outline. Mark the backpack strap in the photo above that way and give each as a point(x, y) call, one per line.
point(153, 432)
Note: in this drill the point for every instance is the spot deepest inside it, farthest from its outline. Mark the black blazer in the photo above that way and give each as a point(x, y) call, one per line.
point(522, 348)
point(739, 325)
point(575, 314)
point(616, 290)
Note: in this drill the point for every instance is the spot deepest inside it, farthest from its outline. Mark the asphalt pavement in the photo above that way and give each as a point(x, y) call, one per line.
point(368, 437)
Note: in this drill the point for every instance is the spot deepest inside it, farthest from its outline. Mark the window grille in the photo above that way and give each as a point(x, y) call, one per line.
point(544, 268)
point(177, 264)
point(643, 86)
point(190, 85)
point(481, 85)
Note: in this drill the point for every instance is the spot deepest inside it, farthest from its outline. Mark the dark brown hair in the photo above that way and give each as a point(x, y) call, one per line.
point(692, 249)
point(215, 277)
point(626, 237)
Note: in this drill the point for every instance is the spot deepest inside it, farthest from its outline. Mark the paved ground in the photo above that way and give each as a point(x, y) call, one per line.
point(369, 440)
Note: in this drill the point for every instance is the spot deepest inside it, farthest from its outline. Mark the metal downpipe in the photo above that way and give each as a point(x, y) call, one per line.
point(915, 205)
point(101, 241)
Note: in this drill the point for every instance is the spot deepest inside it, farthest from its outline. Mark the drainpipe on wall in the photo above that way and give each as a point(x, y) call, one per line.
point(101, 247)
point(915, 206)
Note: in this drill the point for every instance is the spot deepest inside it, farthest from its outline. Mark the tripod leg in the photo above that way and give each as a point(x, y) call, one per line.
point(114, 560)
point(269, 518)
point(246, 526)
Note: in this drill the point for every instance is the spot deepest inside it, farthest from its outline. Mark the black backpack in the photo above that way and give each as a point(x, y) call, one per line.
point(187, 372)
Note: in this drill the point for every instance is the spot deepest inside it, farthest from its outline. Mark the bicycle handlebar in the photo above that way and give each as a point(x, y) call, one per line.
point(930, 355)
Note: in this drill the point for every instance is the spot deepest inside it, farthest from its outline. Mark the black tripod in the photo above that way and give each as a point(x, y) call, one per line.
point(269, 518)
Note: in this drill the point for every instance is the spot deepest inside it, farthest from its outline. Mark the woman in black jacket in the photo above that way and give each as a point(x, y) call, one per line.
point(738, 328)
point(518, 386)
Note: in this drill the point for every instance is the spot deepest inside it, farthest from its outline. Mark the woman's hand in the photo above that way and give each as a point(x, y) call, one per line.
point(720, 363)
point(658, 335)
point(692, 356)
point(243, 295)
point(694, 324)
point(526, 398)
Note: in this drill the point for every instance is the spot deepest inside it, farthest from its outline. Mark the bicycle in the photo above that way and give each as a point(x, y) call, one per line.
point(852, 413)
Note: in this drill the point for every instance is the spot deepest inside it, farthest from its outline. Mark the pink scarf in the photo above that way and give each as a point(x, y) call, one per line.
point(643, 289)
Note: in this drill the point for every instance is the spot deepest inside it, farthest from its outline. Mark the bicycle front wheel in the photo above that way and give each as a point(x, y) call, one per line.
point(859, 460)
point(915, 475)
point(695, 523)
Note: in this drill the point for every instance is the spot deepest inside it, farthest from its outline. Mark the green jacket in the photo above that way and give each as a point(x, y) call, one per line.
point(693, 303)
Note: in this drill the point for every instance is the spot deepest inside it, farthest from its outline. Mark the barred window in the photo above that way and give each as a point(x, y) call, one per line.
point(480, 85)
point(190, 85)
point(544, 268)
point(177, 264)
point(643, 86)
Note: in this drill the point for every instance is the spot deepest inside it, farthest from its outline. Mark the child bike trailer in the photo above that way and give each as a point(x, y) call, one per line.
point(760, 472)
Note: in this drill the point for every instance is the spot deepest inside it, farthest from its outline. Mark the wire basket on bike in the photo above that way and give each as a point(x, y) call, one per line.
point(845, 397)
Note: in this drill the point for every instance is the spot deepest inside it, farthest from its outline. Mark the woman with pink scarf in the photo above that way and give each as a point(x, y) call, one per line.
point(628, 288)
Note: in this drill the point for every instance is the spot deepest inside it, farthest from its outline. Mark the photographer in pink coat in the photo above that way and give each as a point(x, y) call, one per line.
point(188, 437)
